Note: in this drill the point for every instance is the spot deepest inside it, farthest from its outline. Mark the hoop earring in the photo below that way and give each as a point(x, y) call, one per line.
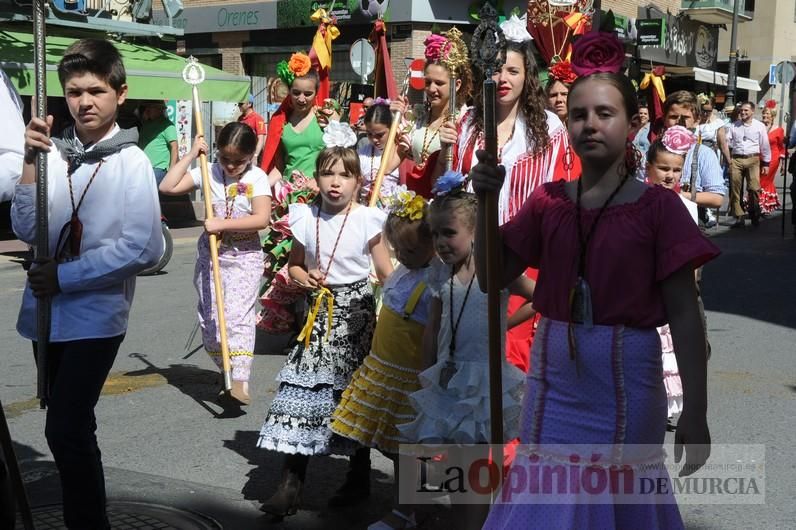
point(569, 159)
point(631, 158)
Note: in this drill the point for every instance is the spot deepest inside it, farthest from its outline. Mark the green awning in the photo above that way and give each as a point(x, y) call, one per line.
point(152, 74)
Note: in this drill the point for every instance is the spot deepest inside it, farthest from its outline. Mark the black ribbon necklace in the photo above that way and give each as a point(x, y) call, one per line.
point(580, 306)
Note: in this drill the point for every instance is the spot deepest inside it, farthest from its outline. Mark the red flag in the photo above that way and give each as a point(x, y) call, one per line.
point(385, 86)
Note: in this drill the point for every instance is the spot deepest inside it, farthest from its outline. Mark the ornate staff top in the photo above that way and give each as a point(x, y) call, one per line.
point(455, 57)
point(488, 42)
point(193, 73)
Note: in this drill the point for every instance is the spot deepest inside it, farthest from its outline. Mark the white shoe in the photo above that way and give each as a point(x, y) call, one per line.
point(408, 522)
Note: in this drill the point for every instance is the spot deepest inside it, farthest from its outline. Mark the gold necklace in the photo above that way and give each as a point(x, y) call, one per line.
point(427, 142)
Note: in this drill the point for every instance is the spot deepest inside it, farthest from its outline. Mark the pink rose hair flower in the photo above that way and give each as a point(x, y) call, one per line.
point(436, 47)
point(678, 140)
point(562, 71)
point(598, 52)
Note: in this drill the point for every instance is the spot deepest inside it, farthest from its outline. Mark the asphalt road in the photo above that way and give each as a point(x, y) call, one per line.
point(165, 440)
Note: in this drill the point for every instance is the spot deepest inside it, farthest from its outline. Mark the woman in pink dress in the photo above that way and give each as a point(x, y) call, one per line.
point(616, 259)
point(769, 199)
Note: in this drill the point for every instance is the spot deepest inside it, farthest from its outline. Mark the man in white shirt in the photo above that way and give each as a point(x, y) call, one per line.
point(104, 225)
point(11, 139)
point(747, 139)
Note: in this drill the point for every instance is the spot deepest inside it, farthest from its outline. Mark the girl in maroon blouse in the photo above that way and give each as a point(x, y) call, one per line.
point(616, 258)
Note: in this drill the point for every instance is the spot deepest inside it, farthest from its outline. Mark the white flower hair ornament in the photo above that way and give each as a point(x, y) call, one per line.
point(337, 134)
point(515, 29)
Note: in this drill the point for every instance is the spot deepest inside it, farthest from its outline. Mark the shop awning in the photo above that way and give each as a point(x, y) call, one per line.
point(718, 78)
point(152, 74)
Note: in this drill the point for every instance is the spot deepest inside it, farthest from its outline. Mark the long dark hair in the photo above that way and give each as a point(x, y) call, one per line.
point(533, 101)
point(238, 135)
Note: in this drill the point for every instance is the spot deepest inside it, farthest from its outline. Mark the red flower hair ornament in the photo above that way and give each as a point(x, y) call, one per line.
point(562, 71)
point(771, 104)
point(598, 51)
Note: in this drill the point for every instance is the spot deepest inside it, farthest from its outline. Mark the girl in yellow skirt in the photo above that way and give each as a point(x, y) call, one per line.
point(375, 401)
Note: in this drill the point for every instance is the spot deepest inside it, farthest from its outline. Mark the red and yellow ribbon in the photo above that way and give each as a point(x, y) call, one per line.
point(655, 77)
point(322, 41)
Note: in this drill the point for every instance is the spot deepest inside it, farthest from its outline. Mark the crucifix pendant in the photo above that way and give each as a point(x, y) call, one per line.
point(447, 373)
point(580, 303)
point(75, 235)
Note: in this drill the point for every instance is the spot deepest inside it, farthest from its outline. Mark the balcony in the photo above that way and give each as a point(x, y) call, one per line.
point(717, 11)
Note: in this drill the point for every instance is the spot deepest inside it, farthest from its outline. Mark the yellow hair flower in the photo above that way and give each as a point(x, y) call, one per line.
point(408, 204)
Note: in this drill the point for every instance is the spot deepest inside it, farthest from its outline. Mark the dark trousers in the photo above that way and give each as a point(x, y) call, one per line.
point(77, 371)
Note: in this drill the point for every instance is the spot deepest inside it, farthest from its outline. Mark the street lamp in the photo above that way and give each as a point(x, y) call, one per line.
point(732, 73)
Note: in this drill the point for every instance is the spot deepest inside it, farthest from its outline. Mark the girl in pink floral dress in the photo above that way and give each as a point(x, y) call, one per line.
point(242, 206)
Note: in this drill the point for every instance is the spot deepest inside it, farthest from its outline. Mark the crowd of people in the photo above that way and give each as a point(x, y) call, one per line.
point(387, 302)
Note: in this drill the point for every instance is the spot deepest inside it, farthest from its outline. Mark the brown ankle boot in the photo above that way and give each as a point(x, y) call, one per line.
point(287, 498)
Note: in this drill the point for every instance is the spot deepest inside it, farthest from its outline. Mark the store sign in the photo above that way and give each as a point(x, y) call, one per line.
point(226, 17)
point(296, 13)
point(686, 42)
point(651, 32)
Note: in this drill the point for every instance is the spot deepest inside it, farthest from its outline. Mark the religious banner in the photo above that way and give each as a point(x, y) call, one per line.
point(180, 114)
point(554, 24)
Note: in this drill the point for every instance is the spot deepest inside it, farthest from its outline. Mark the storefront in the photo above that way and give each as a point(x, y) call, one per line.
point(689, 52)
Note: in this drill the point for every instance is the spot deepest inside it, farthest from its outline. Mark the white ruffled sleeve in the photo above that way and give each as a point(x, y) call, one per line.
point(298, 215)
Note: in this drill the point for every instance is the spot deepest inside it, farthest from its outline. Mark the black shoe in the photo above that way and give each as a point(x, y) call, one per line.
point(710, 223)
point(740, 223)
point(356, 487)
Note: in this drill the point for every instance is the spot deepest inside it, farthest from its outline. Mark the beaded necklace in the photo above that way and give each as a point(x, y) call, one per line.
point(336, 241)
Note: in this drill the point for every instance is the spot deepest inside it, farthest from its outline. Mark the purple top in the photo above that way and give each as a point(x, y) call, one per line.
point(633, 249)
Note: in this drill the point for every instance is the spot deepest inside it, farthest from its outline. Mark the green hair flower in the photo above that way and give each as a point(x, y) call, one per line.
point(285, 73)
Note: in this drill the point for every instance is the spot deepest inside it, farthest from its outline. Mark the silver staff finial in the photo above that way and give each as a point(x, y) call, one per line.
point(193, 73)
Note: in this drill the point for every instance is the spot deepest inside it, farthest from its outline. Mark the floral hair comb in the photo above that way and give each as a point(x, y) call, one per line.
point(678, 140)
point(562, 71)
point(449, 182)
point(598, 51)
point(407, 204)
point(436, 48)
point(337, 134)
point(299, 65)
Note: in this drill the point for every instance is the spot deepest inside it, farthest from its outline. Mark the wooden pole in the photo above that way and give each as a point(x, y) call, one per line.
point(194, 75)
point(42, 248)
point(389, 149)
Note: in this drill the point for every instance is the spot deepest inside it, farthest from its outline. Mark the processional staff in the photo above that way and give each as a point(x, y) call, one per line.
point(454, 58)
point(42, 247)
point(194, 75)
point(488, 53)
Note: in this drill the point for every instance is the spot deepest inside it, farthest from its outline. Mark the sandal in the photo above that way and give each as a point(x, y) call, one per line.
point(408, 521)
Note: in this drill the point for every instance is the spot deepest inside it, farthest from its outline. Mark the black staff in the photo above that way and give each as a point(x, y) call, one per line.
point(44, 303)
point(488, 53)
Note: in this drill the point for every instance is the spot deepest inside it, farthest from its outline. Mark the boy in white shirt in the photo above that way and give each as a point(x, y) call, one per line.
point(104, 228)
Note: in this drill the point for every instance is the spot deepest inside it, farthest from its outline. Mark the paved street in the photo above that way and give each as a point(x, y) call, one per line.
point(164, 440)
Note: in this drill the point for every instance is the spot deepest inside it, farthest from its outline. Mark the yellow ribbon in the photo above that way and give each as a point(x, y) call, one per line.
point(306, 332)
point(657, 82)
point(322, 41)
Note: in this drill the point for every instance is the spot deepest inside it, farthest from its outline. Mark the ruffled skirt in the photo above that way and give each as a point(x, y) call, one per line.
point(611, 396)
point(313, 378)
point(459, 414)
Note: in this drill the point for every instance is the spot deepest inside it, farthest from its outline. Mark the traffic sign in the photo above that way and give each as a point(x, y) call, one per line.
point(416, 78)
point(363, 58)
point(772, 74)
point(785, 72)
